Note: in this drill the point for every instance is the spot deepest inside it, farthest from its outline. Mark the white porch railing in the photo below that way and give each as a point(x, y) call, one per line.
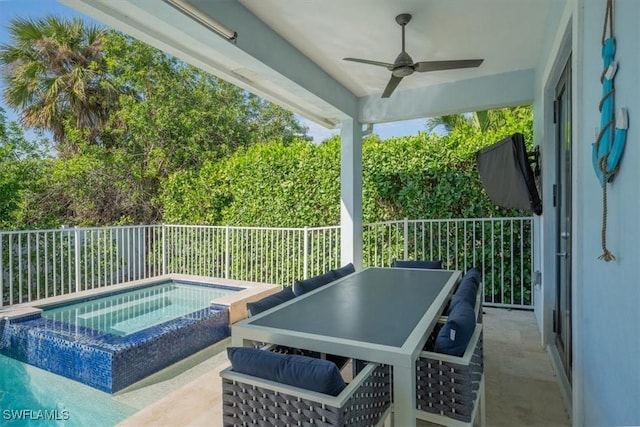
point(260, 254)
point(44, 263)
point(501, 248)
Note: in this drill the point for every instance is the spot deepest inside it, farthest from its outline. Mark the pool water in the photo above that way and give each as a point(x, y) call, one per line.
point(125, 313)
point(110, 342)
point(30, 396)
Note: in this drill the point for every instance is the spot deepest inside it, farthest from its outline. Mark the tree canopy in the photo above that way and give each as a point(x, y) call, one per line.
point(124, 116)
point(23, 163)
point(142, 137)
point(56, 73)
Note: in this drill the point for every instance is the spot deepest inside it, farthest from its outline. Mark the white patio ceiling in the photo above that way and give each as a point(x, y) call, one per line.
point(290, 51)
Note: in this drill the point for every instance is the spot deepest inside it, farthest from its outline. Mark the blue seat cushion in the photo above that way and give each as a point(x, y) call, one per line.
point(455, 334)
point(472, 276)
point(455, 300)
point(312, 374)
point(344, 271)
point(301, 287)
point(433, 265)
point(253, 308)
point(467, 291)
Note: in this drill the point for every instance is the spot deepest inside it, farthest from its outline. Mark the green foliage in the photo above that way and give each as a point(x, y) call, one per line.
point(55, 72)
point(176, 116)
point(23, 164)
point(266, 185)
point(433, 176)
point(196, 196)
point(125, 116)
point(485, 120)
point(420, 176)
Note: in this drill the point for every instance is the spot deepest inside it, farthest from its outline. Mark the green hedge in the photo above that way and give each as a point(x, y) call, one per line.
point(297, 185)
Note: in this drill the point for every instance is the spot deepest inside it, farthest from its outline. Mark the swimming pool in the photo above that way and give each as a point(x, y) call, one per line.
point(32, 396)
point(112, 341)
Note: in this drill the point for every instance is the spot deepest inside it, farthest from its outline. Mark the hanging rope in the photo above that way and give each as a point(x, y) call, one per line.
point(606, 254)
point(609, 145)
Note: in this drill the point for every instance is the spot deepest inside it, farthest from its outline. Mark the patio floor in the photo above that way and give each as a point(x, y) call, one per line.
point(520, 384)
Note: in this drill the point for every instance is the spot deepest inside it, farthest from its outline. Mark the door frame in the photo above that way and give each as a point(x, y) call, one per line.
point(563, 195)
point(545, 301)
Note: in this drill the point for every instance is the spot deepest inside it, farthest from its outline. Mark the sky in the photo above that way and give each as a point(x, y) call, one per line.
point(37, 8)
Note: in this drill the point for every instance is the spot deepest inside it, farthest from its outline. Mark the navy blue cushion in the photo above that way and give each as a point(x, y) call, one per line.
point(344, 271)
point(472, 276)
point(253, 308)
point(303, 286)
point(455, 300)
point(467, 290)
point(433, 265)
point(455, 334)
point(318, 375)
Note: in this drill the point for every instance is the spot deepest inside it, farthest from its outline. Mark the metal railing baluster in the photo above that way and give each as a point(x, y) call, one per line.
point(50, 261)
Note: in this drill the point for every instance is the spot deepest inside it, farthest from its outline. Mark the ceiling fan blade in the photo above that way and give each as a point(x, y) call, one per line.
point(367, 61)
point(391, 86)
point(446, 65)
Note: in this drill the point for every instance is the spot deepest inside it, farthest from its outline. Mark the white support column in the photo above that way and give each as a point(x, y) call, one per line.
point(351, 193)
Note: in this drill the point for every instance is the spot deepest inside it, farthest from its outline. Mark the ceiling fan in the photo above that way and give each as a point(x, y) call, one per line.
point(404, 66)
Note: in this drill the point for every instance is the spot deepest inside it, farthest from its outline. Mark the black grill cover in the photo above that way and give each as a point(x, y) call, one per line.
point(507, 176)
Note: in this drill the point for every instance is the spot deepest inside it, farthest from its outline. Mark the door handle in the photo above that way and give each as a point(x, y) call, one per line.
point(562, 254)
point(564, 235)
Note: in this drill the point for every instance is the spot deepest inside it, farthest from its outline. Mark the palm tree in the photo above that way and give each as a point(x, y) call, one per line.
point(481, 120)
point(54, 71)
point(449, 122)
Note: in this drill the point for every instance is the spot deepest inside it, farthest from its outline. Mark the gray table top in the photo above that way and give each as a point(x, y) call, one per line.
point(375, 305)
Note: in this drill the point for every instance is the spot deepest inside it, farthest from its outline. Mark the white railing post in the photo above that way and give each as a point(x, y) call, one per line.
point(11, 282)
point(164, 249)
point(406, 238)
point(76, 233)
point(226, 252)
point(305, 253)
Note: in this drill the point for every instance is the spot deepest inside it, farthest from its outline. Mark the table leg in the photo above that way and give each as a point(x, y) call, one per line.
point(404, 396)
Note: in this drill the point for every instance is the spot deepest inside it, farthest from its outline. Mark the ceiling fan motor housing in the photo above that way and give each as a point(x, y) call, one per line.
point(403, 65)
point(403, 71)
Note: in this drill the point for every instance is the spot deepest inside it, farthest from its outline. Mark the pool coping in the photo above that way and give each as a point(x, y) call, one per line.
point(236, 301)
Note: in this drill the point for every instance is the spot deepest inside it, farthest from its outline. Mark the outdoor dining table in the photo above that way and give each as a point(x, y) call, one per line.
point(382, 315)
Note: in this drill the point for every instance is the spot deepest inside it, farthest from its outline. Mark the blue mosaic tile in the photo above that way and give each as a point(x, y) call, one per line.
point(2, 323)
point(110, 362)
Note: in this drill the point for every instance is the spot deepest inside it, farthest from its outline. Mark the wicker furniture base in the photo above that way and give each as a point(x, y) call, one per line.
point(251, 401)
point(448, 386)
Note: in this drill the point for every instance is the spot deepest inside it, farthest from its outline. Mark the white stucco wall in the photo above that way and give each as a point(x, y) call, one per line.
point(606, 305)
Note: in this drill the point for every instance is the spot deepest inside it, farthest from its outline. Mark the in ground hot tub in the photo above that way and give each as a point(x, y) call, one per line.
point(112, 340)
